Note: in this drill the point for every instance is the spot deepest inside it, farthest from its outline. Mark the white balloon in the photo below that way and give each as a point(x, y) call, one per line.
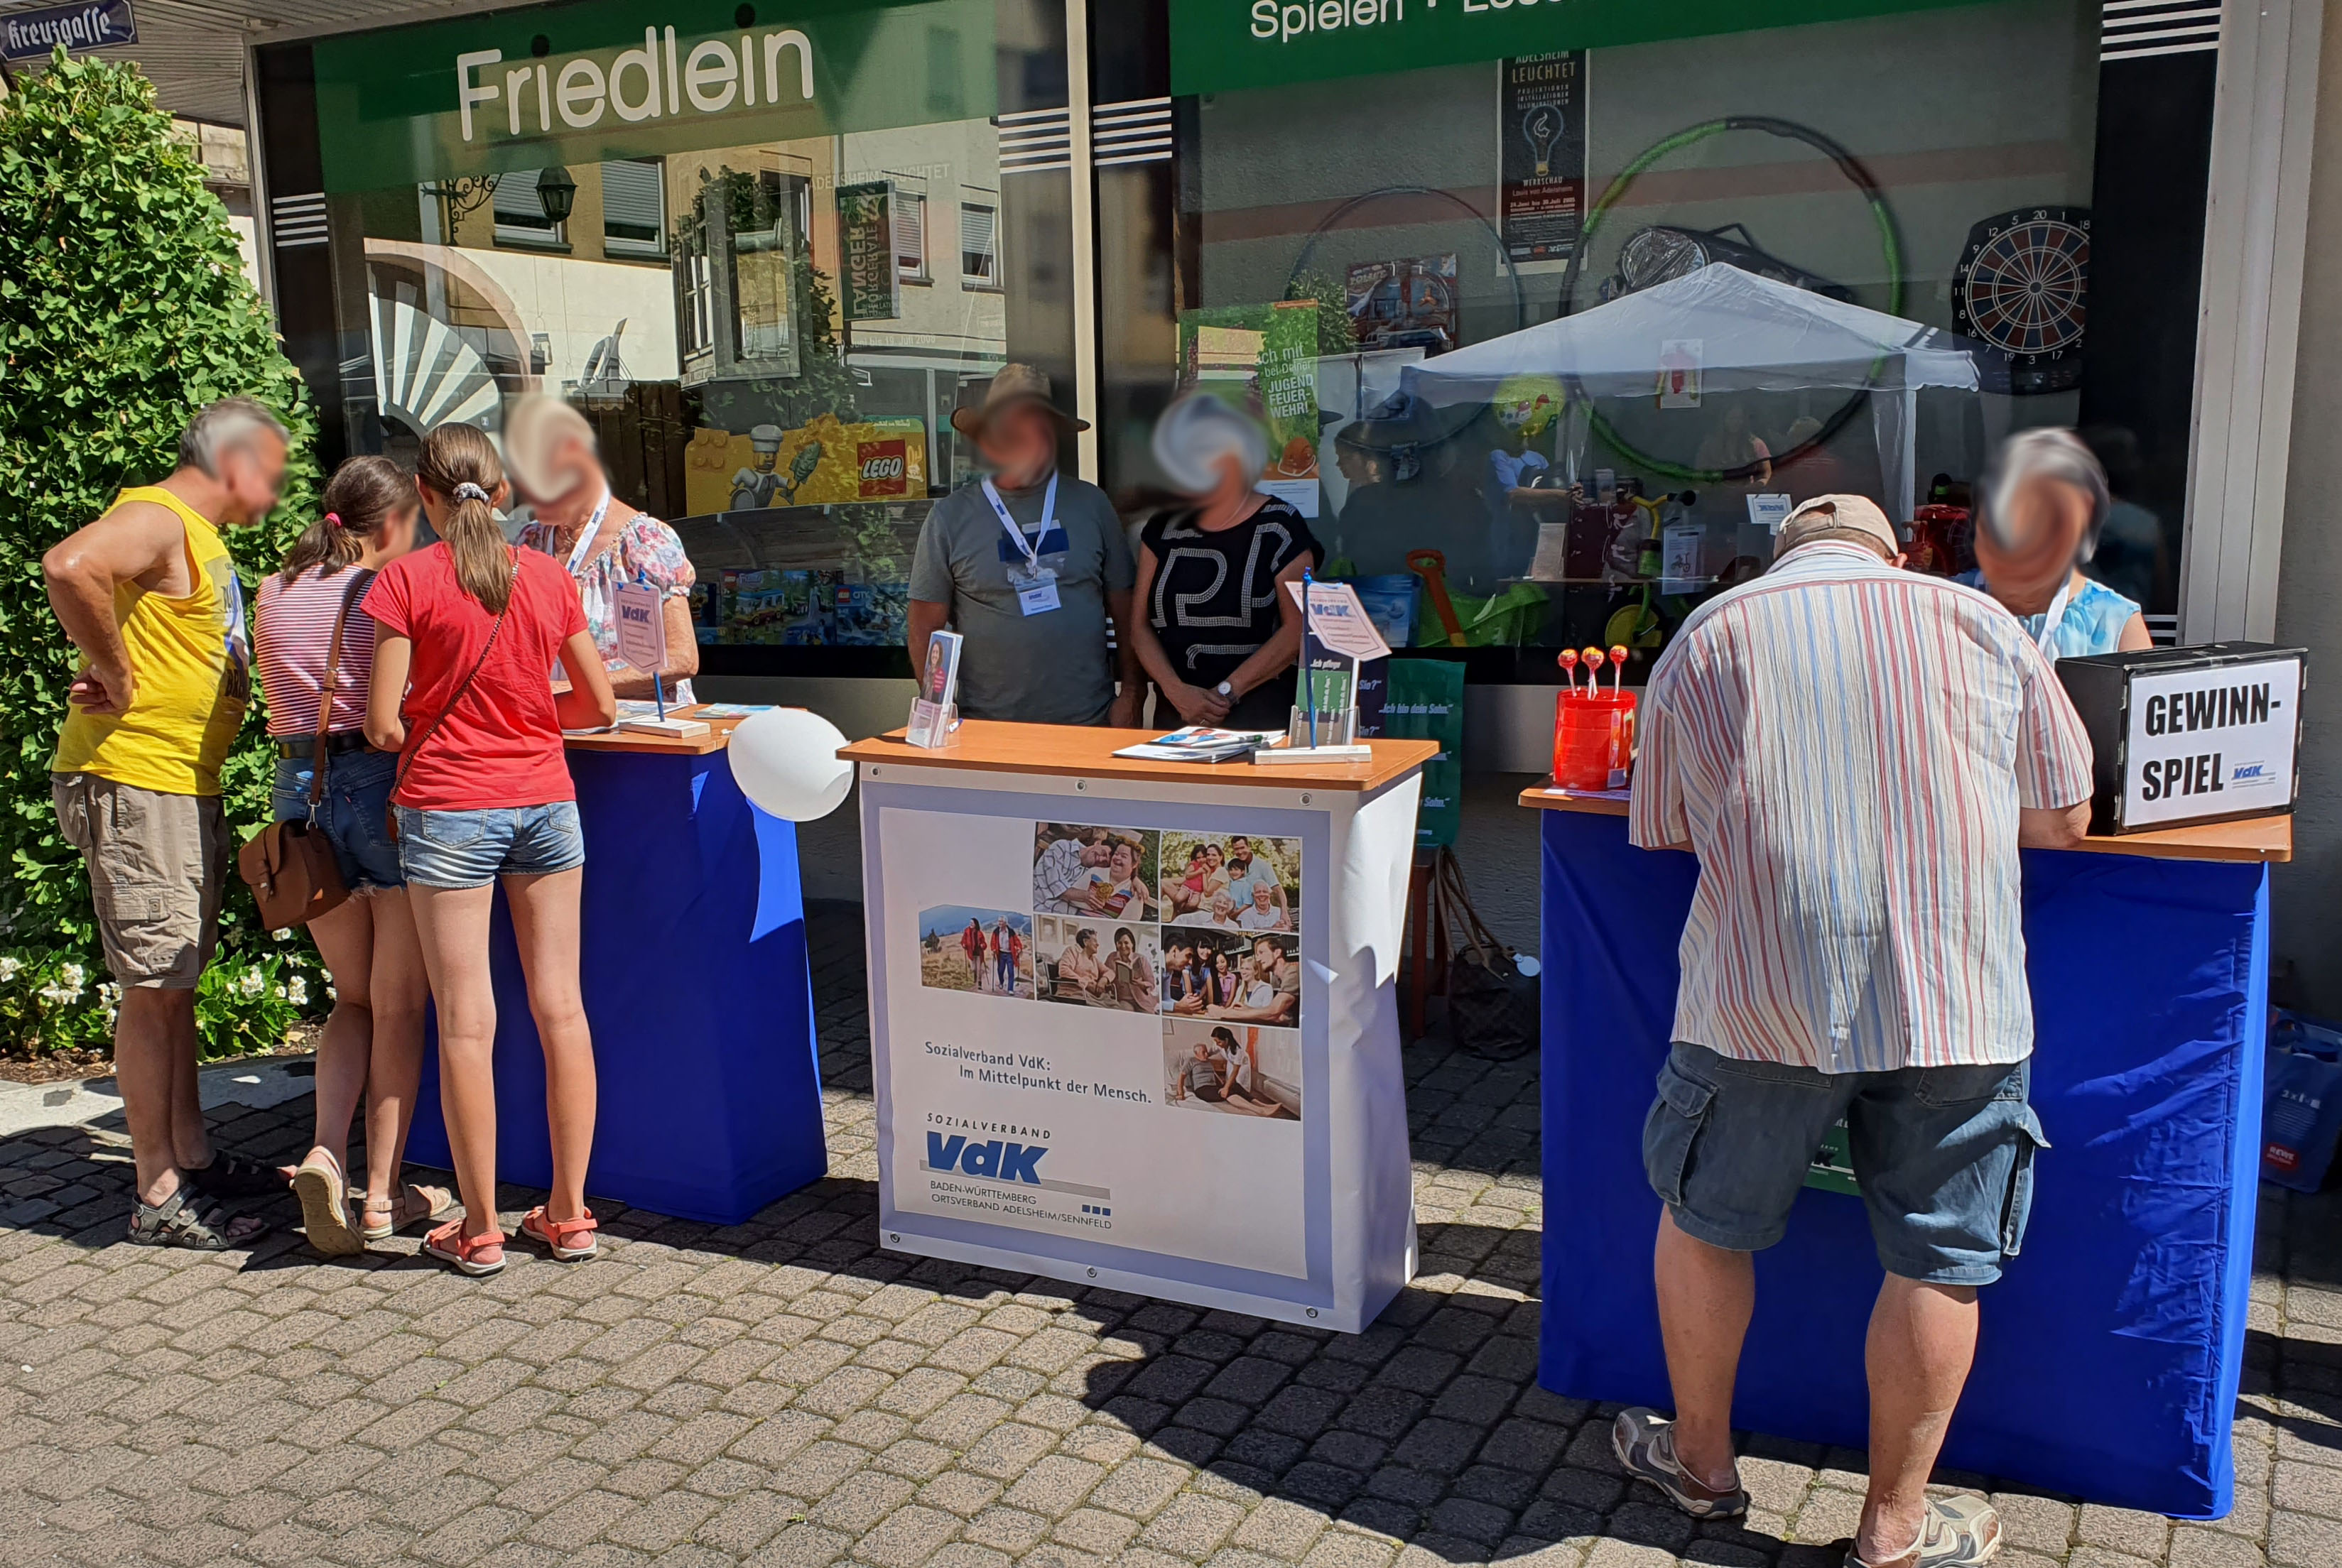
point(786, 763)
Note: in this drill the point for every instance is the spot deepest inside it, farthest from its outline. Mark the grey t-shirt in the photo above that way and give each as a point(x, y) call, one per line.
point(1051, 668)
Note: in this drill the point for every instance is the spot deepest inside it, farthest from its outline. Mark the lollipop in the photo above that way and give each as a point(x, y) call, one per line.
point(1568, 660)
point(1591, 657)
point(1617, 666)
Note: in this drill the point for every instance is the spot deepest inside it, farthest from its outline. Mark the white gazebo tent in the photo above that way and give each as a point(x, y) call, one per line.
point(1752, 334)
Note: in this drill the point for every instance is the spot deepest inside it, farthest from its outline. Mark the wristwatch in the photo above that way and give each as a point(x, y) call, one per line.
point(1226, 691)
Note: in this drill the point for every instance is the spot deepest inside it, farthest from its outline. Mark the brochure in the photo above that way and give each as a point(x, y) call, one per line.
point(934, 711)
point(1201, 743)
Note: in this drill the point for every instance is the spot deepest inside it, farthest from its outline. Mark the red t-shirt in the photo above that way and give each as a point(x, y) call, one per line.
point(501, 745)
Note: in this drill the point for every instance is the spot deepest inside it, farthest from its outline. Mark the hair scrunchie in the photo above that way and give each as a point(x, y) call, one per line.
point(467, 491)
point(334, 520)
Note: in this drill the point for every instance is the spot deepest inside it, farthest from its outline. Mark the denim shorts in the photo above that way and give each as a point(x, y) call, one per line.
point(351, 812)
point(1944, 1157)
point(473, 848)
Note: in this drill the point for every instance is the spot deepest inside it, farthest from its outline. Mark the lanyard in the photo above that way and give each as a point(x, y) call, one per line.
point(1030, 547)
point(592, 531)
point(2052, 617)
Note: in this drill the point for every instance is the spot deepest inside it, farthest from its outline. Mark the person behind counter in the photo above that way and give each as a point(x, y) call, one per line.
point(603, 543)
point(1217, 631)
point(483, 797)
point(313, 618)
point(2043, 504)
point(1031, 566)
point(1855, 948)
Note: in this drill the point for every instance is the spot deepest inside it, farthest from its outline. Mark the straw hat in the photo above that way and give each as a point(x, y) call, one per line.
point(1014, 384)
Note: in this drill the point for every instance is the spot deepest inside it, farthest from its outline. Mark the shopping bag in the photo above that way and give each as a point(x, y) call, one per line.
point(2301, 1115)
point(1492, 1006)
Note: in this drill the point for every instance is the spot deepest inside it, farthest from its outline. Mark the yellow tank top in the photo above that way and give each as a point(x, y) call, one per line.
point(193, 660)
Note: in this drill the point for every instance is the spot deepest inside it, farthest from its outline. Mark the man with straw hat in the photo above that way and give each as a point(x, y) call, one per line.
point(1031, 566)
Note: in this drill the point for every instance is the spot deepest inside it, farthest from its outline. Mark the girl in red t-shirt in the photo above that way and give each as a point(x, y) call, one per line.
point(467, 631)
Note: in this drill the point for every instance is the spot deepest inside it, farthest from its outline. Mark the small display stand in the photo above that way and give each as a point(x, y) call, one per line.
point(1337, 638)
point(934, 713)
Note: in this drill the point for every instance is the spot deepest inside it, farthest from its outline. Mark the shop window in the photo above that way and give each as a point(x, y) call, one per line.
point(979, 245)
point(910, 215)
point(520, 216)
point(633, 209)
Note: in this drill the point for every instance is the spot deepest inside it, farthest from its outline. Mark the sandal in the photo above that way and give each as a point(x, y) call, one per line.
point(1958, 1533)
point(539, 1226)
point(193, 1221)
point(450, 1245)
point(326, 1207)
point(415, 1202)
point(232, 1175)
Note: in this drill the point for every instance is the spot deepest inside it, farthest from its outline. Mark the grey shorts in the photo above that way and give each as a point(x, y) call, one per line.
point(156, 866)
point(1944, 1157)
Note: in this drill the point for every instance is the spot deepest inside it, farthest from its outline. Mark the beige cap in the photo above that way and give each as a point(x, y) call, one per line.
point(1013, 384)
point(1854, 518)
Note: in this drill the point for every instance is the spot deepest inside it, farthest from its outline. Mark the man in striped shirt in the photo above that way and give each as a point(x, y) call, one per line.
point(1855, 753)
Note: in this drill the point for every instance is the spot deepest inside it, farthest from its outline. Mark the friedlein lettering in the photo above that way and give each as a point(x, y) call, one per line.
point(1286, 20)
point(2213, 708)
point(638, 84)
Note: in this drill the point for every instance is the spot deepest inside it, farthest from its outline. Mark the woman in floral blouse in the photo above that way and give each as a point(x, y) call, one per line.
point(604, 542)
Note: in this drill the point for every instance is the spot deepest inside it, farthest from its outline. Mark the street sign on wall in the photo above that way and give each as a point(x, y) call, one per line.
point(31, 35)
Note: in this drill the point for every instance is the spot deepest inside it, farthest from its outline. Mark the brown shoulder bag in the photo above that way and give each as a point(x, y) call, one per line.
point(290, 865)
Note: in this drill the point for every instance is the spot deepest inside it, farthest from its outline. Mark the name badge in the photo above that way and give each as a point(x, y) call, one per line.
point(1036, 588)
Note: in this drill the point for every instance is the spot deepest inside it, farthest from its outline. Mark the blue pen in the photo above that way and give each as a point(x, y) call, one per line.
point(1308, 675)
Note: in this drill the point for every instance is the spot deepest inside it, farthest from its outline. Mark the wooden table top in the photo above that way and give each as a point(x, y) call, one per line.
point(719, 736)
point(2255, 838)
point(1085, 751)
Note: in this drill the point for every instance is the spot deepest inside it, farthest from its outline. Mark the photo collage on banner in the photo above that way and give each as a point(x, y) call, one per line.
point(1199, 928)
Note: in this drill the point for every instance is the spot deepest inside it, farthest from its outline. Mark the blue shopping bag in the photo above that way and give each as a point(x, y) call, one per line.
point(2301, 1119)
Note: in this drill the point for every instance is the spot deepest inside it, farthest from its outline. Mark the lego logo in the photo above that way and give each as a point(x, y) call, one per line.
point(885, 468)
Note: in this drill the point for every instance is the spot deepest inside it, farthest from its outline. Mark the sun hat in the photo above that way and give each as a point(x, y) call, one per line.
point(1013, 385)
point(1846, 517)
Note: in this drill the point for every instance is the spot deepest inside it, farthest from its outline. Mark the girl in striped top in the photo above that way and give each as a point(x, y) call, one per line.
point(372, 1043)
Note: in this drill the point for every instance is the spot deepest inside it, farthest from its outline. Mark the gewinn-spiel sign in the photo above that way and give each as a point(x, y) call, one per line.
point(626, 78)
point(1222, 46)
point(31, 35)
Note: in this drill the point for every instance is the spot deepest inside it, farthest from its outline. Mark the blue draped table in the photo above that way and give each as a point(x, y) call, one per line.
point(2112, 1346)
point(698, 989)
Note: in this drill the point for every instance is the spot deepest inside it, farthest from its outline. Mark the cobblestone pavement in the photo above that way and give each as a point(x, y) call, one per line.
point(784, 1392)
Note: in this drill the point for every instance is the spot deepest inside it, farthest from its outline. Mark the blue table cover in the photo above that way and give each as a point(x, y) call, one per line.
point(2111, 1348)
point(697, 986)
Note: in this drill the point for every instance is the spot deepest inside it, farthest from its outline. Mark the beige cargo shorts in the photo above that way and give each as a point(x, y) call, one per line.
point(156, 868)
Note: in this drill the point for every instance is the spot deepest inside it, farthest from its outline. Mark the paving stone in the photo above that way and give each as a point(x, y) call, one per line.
point(783, 1393)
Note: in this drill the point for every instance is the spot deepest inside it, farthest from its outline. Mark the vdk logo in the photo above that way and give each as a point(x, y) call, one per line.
point(993, 1160)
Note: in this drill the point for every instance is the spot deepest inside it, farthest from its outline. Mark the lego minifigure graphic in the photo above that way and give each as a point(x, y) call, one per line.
point(759, 487)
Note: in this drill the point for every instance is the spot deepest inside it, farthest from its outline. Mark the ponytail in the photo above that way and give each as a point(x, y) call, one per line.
point(363, 496)
point(460, 463)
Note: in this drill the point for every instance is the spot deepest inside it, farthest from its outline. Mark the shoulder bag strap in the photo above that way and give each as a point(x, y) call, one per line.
point(317, 758)
point(485, 649)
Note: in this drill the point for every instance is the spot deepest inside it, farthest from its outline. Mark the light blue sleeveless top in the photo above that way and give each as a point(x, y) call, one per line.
point(2093, 621)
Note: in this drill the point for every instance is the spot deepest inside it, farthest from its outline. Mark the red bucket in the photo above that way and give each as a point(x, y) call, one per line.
point(1593, 739)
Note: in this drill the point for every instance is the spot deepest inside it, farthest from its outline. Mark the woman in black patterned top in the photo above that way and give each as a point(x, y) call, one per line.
point(1218, 632)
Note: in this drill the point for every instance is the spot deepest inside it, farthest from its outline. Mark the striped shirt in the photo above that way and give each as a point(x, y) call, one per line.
point(1846, 745)
point(295, 633)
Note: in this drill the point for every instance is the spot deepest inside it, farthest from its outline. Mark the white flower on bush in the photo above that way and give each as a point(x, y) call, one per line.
point(250, 984)
point(297, 992)
point(71, 975)
point(10, 968)
point(65, 986)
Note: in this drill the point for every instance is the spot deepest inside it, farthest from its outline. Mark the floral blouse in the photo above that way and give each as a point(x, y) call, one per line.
point(645, 551)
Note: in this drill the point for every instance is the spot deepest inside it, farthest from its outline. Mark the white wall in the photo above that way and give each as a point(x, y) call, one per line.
point(2307, 894)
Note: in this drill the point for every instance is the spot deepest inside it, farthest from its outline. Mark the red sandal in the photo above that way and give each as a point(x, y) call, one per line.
point(450, 1245)
point(539, 1226)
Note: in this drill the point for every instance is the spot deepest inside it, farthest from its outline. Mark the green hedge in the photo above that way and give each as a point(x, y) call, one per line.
point(123, 308)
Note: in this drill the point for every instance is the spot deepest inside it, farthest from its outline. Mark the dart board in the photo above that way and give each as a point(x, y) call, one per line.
point(2022, 288)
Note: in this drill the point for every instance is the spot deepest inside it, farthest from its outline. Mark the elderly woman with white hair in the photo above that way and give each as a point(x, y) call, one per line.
point(604, 542)
point(1218, 632)
point(2040, 508)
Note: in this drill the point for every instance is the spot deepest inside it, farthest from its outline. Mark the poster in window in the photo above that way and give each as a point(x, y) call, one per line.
point(869, 281)
point(1541, 158)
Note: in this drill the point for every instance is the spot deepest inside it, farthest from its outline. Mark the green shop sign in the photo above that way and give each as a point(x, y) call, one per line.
point(1223, 45)
point(608, 79)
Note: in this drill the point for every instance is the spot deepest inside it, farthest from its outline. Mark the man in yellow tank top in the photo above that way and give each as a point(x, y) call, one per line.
point(148, 594)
